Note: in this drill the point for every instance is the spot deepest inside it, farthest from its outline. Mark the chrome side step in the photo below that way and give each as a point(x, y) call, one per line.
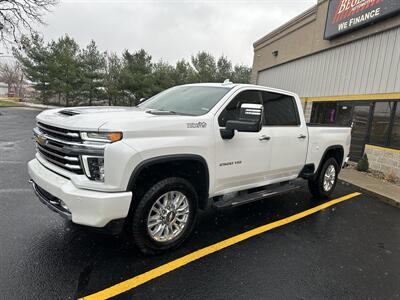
point(267, 192)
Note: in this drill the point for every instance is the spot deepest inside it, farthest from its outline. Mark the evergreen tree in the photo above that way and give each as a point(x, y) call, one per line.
point(163, 77)
point(66, 68)
point(241, 74)
point(205, 67)
point(93, 71)
point(136, 76)
point(184, 73)
point(61, 69)
point(224, 69)
point(112, 79)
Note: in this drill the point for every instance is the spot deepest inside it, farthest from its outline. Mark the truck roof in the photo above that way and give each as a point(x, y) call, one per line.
point(239, 85)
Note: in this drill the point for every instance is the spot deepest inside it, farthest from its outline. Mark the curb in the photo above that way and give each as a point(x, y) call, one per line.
point(384, 198)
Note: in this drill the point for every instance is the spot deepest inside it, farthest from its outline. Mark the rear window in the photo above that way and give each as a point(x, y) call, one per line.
point(279, 110)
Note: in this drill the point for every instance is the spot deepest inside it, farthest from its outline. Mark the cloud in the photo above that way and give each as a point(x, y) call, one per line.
point(172, 30)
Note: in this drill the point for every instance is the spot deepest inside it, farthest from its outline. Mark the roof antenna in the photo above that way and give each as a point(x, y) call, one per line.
point(227, 81)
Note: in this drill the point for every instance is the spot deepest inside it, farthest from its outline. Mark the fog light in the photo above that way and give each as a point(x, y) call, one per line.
point(94, 167)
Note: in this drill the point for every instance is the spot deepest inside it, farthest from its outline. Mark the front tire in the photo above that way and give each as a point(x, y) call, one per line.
point(324, 184)
point(165, 216)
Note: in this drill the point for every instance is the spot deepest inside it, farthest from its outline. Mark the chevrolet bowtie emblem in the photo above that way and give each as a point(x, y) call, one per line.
point(41, 139)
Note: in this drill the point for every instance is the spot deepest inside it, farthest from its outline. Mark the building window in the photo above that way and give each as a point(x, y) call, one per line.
point(380, 123)
point(395, 135)
point(324, 113)
point(343, 117)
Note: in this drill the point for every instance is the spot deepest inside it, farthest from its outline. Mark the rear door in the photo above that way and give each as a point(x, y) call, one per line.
point(289, 135)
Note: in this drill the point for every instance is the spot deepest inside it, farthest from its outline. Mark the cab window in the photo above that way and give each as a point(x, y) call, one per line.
point(280, 110)
point(232, 110)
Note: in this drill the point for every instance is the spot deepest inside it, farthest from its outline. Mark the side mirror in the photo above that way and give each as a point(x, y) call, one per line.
point(250, 120)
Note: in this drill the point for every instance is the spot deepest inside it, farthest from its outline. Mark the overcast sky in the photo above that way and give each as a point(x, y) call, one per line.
point(172, 30)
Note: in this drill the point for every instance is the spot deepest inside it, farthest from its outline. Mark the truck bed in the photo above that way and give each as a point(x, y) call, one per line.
point(321, 138)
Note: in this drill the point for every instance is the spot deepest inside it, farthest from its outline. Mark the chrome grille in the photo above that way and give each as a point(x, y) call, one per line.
point(59, 132)
point(63, 147)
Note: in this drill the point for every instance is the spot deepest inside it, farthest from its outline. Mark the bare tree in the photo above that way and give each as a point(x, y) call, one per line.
point(11, 74)
point(19, 16)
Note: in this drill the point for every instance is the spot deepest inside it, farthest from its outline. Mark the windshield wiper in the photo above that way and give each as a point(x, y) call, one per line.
point(160, 112)
point(165, 112)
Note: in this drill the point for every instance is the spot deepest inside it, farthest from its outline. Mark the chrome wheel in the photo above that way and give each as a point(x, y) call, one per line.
point(329, 178)
point(168, 216)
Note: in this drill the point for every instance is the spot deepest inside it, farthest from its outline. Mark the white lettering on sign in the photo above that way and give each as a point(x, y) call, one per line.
point(364, 17)
point(354, 21)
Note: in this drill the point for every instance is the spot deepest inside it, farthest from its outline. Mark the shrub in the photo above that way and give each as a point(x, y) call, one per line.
point(363, 164)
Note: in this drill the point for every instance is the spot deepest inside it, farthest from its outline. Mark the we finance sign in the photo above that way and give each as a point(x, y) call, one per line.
point(347, 15)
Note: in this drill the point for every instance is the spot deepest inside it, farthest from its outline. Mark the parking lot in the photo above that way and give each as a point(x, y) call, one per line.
point(349, 249)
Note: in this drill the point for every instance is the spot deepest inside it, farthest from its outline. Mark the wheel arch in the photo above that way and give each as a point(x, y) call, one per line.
point(163, 165)
point(335, 151)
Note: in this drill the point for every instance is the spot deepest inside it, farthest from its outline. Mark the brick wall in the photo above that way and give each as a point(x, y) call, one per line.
point(383, 159)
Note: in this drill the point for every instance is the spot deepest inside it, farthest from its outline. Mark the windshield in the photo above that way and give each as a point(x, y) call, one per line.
point(188, 100)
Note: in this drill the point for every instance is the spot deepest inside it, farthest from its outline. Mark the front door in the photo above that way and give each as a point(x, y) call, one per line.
point(243, 161)
point(359, 132)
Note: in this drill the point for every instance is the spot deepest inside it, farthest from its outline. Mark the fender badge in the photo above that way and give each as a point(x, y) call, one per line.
point(196, 125)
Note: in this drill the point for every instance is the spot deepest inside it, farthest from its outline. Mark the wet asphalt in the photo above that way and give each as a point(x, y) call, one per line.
point(348, 251)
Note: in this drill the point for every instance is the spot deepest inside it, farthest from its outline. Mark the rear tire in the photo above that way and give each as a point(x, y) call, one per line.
point(324, 184)
point(165, 216)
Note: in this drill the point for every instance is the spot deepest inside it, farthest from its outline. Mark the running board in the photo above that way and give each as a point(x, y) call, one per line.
point(255, 196)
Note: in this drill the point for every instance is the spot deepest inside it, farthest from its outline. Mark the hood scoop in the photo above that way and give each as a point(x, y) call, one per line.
point(69, 112)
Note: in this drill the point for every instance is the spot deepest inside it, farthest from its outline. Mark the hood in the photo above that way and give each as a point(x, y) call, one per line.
point(103, 117)
point(86, 118)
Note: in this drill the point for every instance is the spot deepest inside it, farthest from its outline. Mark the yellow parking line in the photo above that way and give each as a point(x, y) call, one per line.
point(129, 284)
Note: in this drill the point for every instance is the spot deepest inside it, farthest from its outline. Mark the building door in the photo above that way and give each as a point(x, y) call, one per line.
point(359, 132)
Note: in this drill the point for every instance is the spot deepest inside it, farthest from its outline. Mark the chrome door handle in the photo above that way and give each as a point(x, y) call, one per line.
point(264, 138)
point(301, 136)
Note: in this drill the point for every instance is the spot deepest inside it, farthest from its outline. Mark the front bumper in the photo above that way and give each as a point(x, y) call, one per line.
point(85, 207)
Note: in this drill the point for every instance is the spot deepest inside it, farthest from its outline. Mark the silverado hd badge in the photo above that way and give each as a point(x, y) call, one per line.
point(196, 125)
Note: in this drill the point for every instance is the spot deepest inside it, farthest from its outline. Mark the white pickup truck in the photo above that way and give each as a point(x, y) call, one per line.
point(149, 169)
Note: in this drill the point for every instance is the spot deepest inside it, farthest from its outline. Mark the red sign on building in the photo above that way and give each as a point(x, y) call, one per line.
point(347, 15)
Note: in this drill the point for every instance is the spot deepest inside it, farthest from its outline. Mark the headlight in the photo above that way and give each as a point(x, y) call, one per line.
point(94, 167)
point(107, 137)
